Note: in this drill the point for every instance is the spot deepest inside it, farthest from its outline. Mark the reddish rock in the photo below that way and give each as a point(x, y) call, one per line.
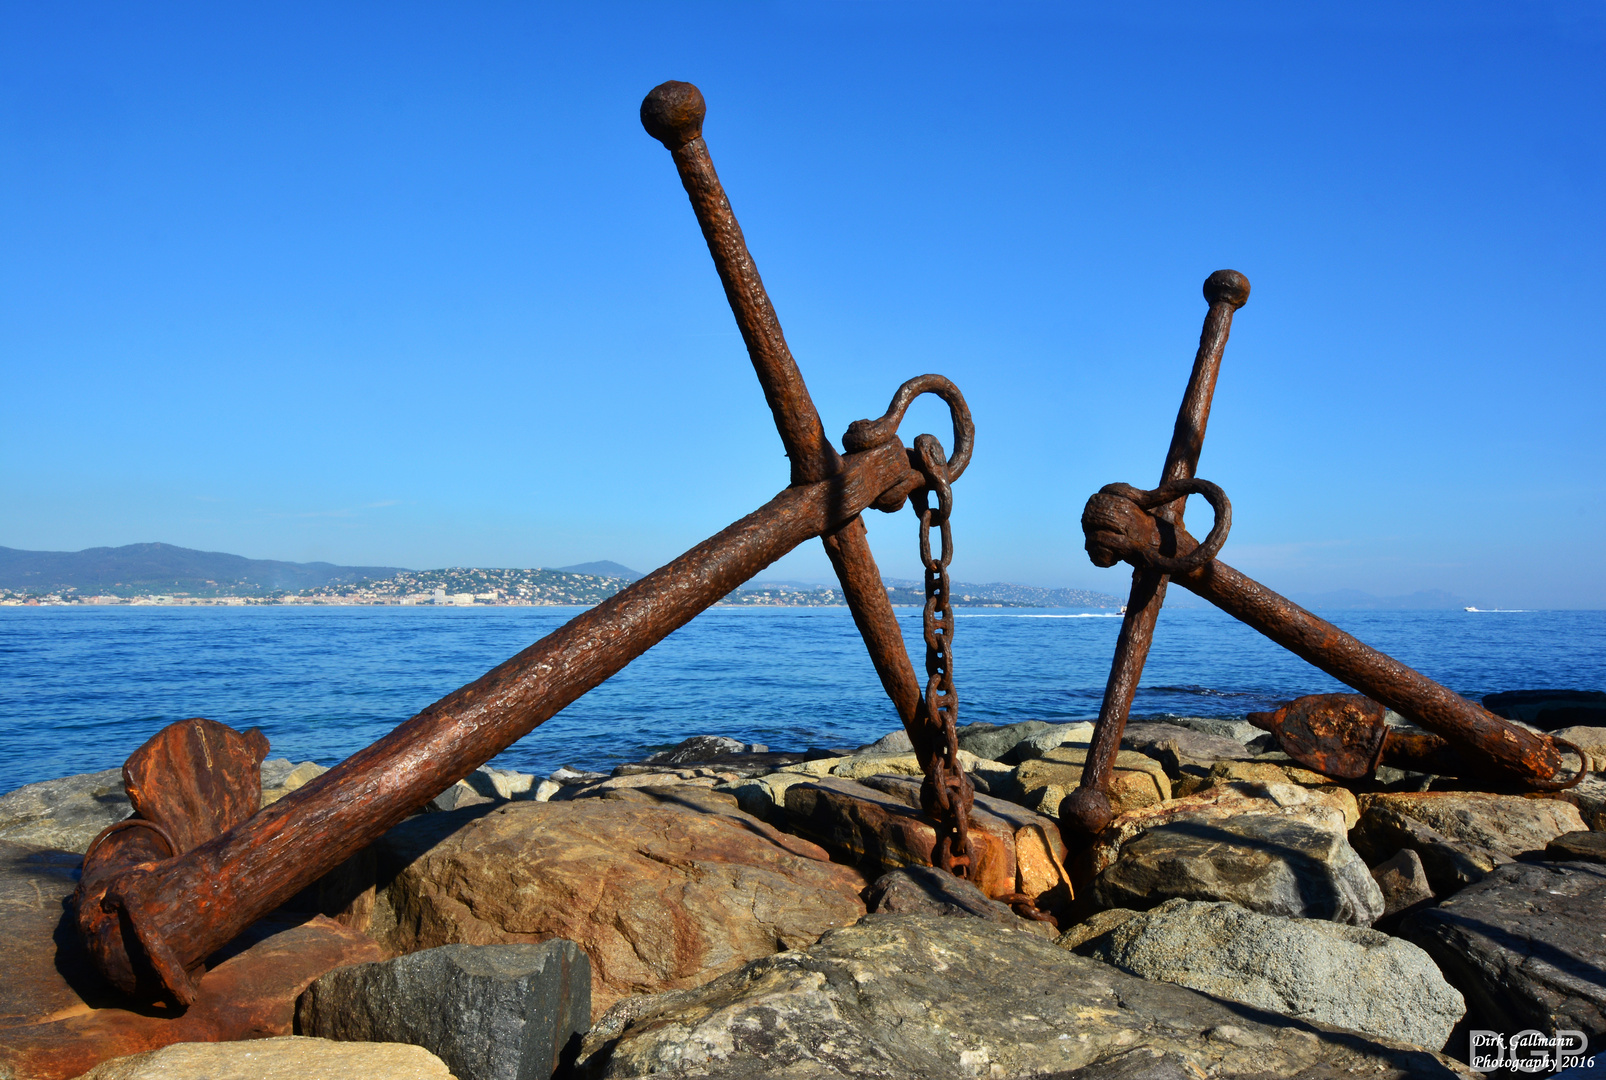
point(661, 895)
point(58, 1019)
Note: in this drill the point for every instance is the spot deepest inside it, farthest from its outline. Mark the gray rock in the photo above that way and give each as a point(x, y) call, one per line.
point(894, 742)
point(1346, 976)
point(1240, 731)
point(1266, 863)
point(1589, 796)
point(897, 997)
point(1404, 883)
point(490, 1012)
point(924, 890)
point(501, 783)
point(285, 1057)
point(64, 814)
point(1578, 847)
point(1094, 926)
point(1041, 743)
point(457, 797)
point(1449, 865)
point(1526, 945)
point(991, 742)
point(1182, 751)
point(1505, 824)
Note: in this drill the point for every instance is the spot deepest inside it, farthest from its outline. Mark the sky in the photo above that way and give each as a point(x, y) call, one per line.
point(408, 285)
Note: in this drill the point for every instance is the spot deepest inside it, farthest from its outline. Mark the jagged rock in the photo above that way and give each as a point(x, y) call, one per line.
point(1347, 976)
point(991, 742)
point(490, 1012)
point(923, 890)
point(1254, 772)
point(1264, 862)
point(64, 814)
point(1578, 847)
point(1450, 866)
point(1589, 796)
point(669, 775)
point(288, 1057)
point(877, 825)
point(906, 996)
point(658, 896)
point(893, 742)
point(1591, 740)
point(764, 796)
point(280, 777)
point(501, 783)
point(562, 777)
point(703, 748)
point(1549, 710)
point(858, 766)
point(1182, 751)
point(1526, 945)
point(1042, 784)
point(1506, 824)
point(460, 796)
point(1094, 926)
point(1314, 806)
point(1404, 883)
point(1240, 731)
point(744, 765)
point(1051, 738)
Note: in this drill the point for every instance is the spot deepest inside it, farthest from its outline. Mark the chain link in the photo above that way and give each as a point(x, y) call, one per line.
point(947, 794)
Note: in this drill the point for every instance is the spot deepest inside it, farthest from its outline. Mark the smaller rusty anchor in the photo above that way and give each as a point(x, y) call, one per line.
point(1145, 529)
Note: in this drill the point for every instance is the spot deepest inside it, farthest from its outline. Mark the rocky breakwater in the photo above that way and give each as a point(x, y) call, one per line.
point(722, 910)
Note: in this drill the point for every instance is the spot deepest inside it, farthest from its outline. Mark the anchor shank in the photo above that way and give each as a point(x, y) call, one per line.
point(1089, 808)
point(187, 907)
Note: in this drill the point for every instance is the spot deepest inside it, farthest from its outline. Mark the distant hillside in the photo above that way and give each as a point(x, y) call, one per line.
point(605, 568)
point(1001, 592)
point(143, 569)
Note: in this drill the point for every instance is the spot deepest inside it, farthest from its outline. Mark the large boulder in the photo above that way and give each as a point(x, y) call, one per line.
point(991, 742)
point(1182, 751)
point(660, 895)
point(490, 1012)
point(925, 890)
point(1264, 862)
point(1346, 976)
point(1508, 825)
point(1043, 783)
point(877, 825)
point(1526, 945)
point(64, 814)
point(906, 996)
point(288, 1057)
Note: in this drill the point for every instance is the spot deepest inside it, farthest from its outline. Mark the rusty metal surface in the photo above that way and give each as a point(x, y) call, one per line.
point(1088, 807)
point(197, 778)
point(1338, 735)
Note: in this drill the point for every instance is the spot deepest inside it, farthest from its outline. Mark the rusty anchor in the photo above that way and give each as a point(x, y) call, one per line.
point(162, 892)
point(1145, 529)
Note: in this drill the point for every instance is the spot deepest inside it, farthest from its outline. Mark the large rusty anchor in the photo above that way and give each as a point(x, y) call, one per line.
point(1145, 529)
point(200, 863)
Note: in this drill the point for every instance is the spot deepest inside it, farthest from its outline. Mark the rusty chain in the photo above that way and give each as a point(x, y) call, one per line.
point(947, 793)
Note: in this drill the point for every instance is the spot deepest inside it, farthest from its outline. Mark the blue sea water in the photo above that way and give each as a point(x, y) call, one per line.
point(80, 688)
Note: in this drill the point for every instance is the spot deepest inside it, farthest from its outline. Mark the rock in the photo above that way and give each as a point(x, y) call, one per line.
point(991, 742)
point(501, 783)
point(1589, 796)
point(1450, 866)
point(666, 776)
point(490, 1012)
point(764, 796)
point(658, 896)
point(744, 765)
point(1182, 751)
point(991, 777)
point(1264, 772)
point(923, 890)
point(1506, 824)
point(1264, 862)
point(1578, 847)
point(1056, 735)
point(1240, 731)
point(280, 778)
point(701, 799)
point(1346, 976)
point(1096, 925)
point(1314, 806)
point(289, 1057)
point(877, 825)
point(1549, 710)
point(906, 996)
point(563, 777)
point(1043, 784)
point(64, 814)
point(1526, 945)
point(857, 766)
point(1403, 882)
point(894, 742)
point(459, 796)
point(703, 748)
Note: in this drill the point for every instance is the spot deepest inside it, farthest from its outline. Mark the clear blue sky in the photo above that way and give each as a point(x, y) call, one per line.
point(409, 285)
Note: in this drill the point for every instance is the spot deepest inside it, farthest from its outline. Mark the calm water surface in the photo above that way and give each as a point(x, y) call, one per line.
point(80, 688)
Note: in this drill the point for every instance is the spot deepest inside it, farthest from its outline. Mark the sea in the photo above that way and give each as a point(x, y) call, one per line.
point(81, 688)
